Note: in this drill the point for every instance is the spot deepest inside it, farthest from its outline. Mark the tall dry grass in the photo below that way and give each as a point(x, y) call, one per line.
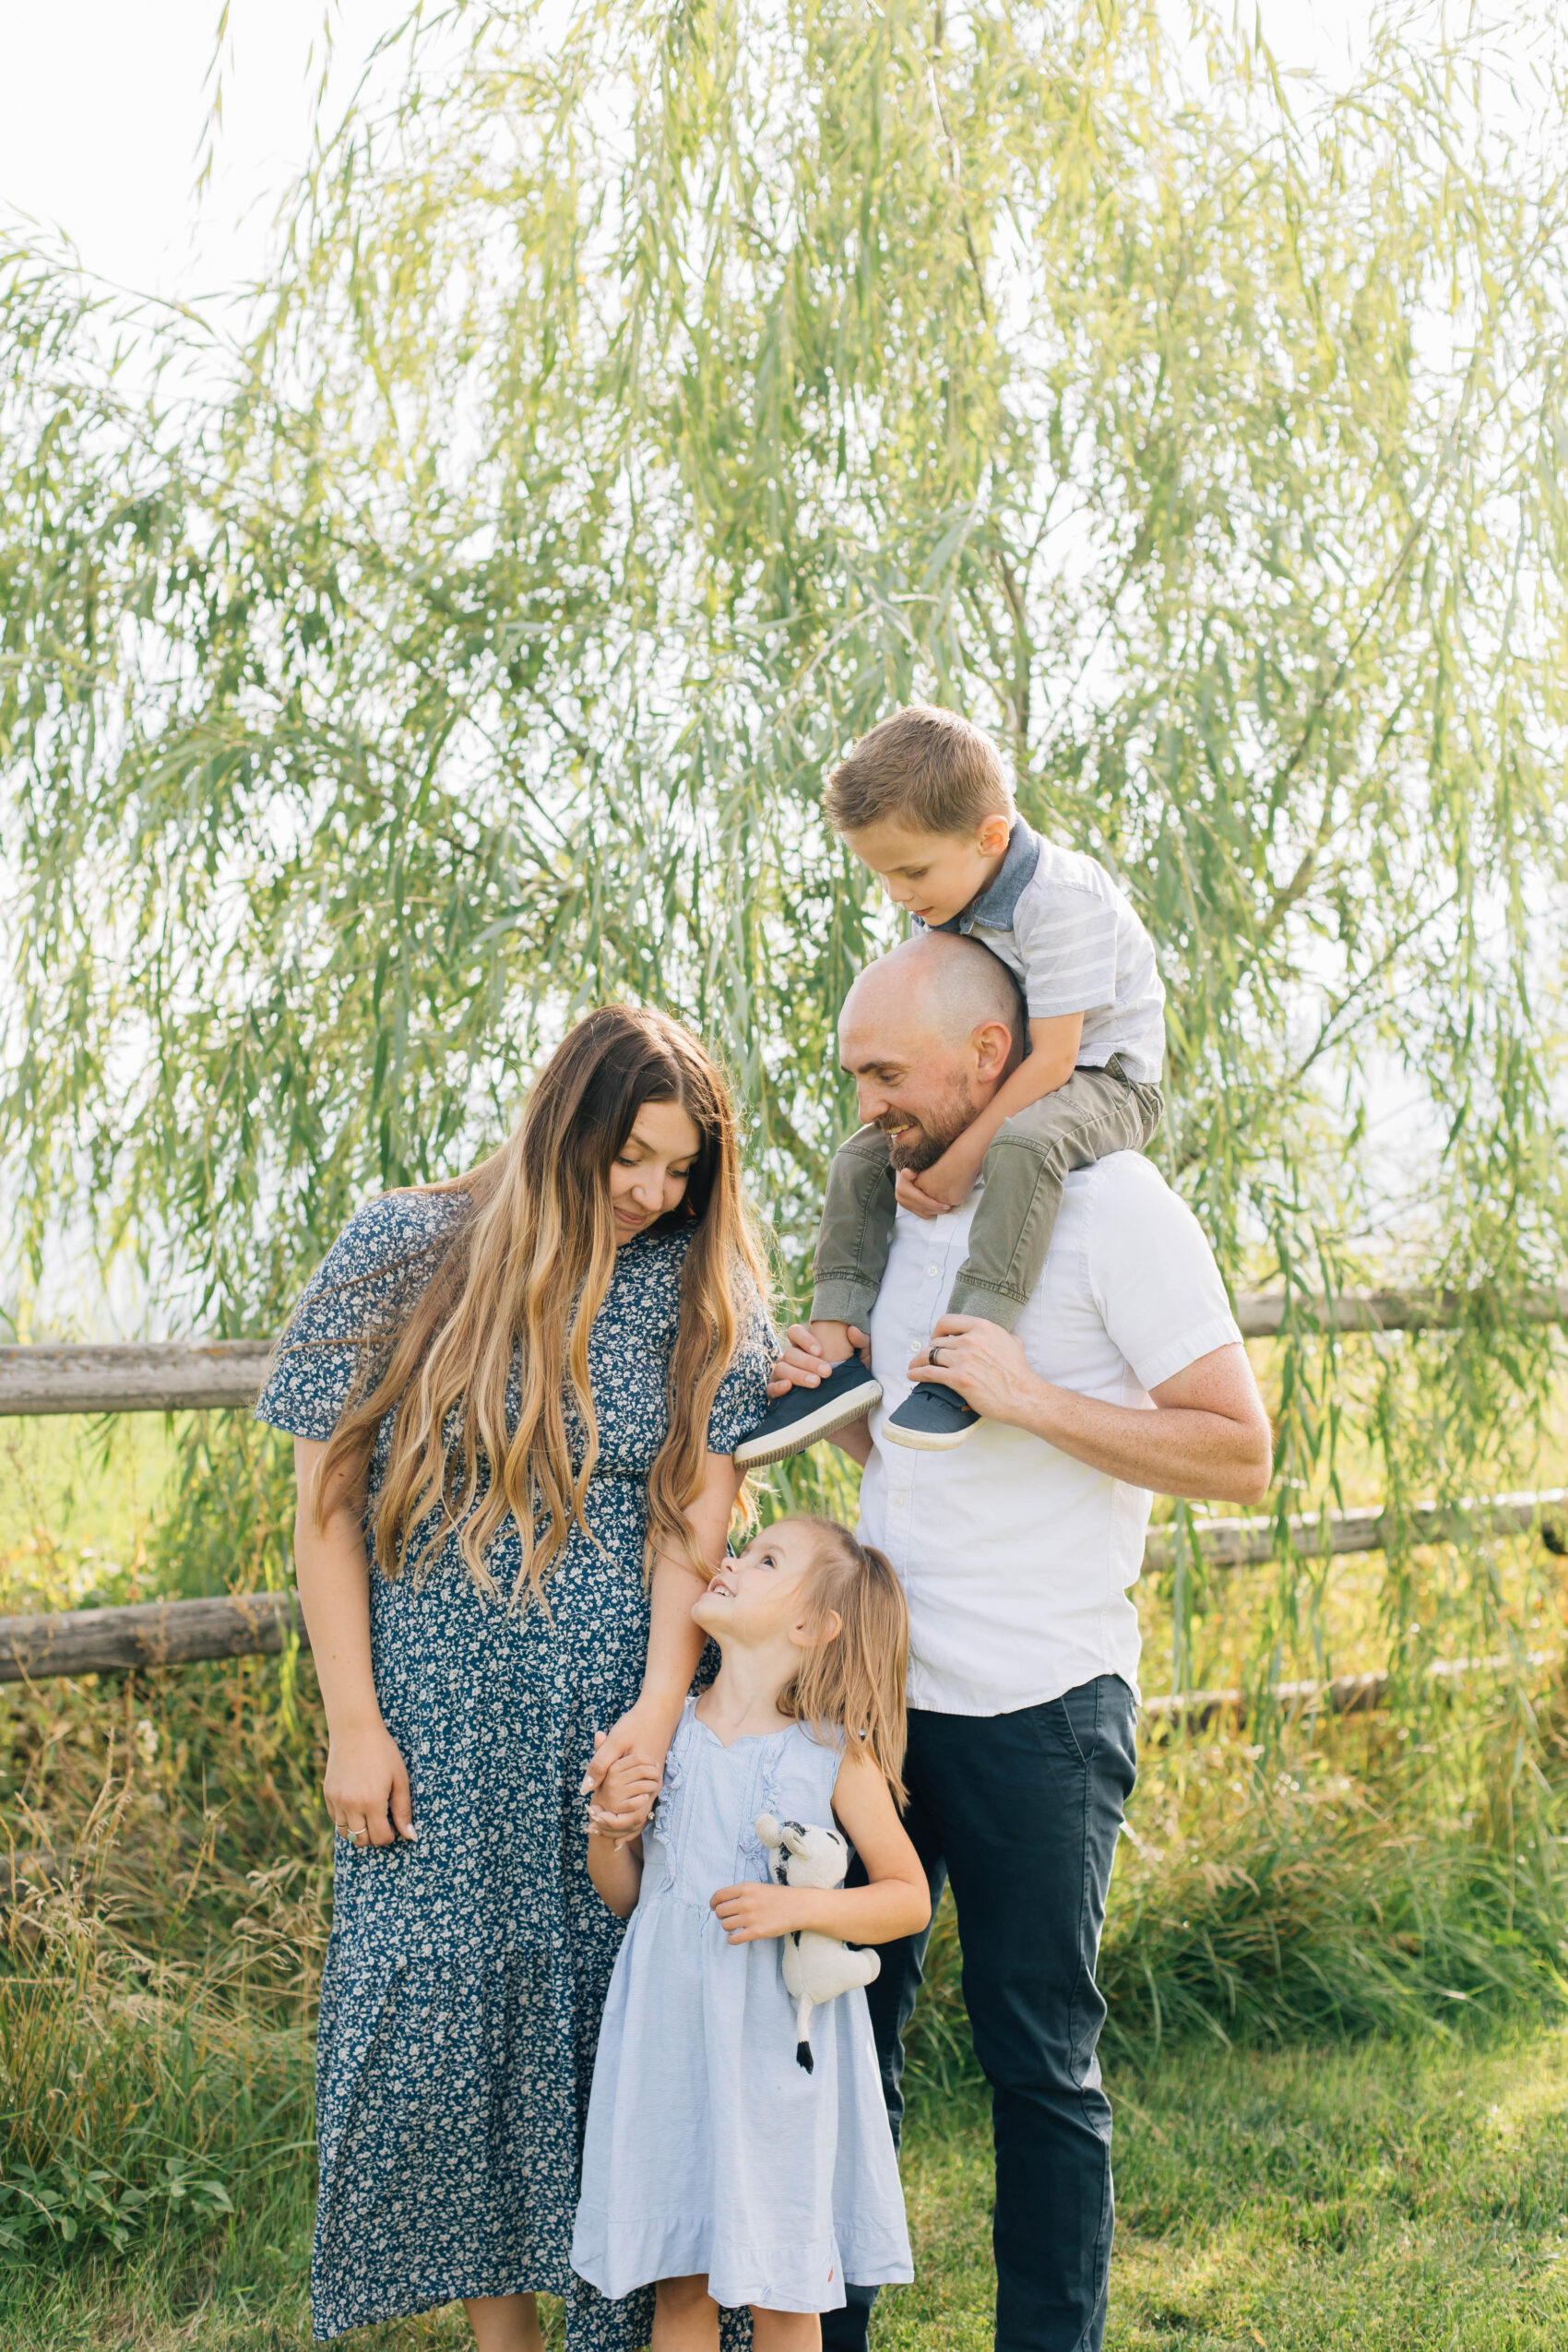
point(164, 1891)
point(1336, 1886)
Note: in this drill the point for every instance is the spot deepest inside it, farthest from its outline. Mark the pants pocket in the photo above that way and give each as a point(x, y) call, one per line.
point(1072, 1723)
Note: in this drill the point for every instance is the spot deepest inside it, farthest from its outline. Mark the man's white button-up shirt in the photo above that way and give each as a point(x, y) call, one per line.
point(1016, 1559)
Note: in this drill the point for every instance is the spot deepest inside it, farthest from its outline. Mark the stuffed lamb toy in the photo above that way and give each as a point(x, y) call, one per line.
point(817, 1968)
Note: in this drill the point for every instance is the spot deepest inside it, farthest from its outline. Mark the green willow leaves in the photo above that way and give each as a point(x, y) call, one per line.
point(646, 400)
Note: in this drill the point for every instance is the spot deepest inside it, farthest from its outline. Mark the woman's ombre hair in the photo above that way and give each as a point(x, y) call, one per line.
point(518, 1280)
point(852, 1680)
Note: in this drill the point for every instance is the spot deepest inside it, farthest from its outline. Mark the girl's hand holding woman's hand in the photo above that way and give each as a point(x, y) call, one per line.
point(752, 1910)
point(632, 1741)
point(366, 1780)
point(625, 1796)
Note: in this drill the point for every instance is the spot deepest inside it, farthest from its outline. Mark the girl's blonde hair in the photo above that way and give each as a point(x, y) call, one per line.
point(854, 1681)
point(524, 1273)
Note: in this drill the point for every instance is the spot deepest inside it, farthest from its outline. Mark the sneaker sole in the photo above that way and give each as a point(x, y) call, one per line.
point(924, 1442)
point(750, 1455)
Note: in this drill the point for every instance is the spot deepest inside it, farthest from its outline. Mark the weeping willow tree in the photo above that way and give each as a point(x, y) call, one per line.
point(644, 402)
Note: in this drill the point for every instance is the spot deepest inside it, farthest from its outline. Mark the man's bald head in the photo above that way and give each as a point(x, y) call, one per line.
point(949, 985)
point(929, 1033)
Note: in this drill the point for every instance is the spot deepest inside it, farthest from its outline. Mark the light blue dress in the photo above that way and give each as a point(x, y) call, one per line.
point(709, 2149)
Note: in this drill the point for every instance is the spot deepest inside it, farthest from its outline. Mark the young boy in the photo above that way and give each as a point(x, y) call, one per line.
point(923, 800)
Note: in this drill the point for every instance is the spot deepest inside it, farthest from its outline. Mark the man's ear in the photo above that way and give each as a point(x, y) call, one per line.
point(815, 1633)
point(992, 1043)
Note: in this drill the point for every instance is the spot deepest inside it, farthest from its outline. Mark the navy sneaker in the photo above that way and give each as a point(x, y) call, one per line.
point(795, 1421)
point(931, 1418)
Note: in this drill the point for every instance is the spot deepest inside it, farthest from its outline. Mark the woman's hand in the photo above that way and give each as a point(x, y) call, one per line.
point(625, 1796)
point(366, 1778)
point(637, 1739)
point(366, 1781)
point(752, 1910)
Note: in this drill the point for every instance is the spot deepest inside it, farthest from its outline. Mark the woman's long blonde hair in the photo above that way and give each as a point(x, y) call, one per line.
point(853, 1681)
point(523, 1273)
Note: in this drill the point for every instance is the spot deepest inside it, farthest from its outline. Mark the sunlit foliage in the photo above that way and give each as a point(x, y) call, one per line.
point(645, 401)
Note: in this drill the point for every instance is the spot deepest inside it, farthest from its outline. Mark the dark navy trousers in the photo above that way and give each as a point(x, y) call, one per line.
point(1021, 1813)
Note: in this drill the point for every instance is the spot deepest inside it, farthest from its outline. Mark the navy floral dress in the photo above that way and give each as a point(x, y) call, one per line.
point(467, 1972)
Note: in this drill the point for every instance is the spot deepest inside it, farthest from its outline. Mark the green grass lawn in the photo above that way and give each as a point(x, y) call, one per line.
point(1390, 2197)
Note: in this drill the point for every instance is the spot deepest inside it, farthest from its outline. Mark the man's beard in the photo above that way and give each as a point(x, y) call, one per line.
point(920, 1145)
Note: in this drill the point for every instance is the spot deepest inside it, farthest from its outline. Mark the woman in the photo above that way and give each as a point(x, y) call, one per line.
point(507, 1392)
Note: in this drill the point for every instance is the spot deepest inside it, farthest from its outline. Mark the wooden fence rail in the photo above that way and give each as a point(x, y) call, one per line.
point(165, 1376)
point(1262, 1314)
point(177, 1633)
point(178, 1375)
point(1247, 1543)
point(196, 1375)
point(174, 1633)
point(1346, 1694)
point(158, 1633)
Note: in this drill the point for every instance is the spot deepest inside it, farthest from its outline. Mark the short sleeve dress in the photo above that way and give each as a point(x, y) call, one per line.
point(710, 2151)
point(467, 1972)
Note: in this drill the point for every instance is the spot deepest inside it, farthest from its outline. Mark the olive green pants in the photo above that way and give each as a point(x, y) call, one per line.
point(1097, 1112)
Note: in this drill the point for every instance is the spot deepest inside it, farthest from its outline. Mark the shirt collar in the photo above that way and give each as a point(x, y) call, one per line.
point(994, 906)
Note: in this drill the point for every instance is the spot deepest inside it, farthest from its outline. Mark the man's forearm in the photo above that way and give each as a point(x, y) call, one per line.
point(1181, 1451)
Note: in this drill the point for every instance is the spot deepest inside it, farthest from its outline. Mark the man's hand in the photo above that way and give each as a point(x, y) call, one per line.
point(804, 1363)
point(984, 1363)
point(751, 1911)
point(1208, 1437)
point(947, 1182)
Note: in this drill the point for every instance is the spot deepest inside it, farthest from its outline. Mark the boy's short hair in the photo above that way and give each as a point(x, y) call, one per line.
point(924, 768)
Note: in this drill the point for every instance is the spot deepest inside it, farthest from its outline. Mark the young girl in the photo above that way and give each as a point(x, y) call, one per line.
point(714, 2163)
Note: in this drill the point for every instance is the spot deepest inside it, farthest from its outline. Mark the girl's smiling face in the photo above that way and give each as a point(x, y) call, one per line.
point(649, 1174)
point(760, 1594)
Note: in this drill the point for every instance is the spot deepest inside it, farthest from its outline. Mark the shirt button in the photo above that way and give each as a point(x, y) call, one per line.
point(899, 1500)
point(931, 1270)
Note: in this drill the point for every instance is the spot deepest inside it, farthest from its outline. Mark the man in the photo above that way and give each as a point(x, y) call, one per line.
point(1125, 1375)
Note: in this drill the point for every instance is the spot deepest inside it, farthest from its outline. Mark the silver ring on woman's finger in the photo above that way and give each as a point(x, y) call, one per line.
point(362, 1838)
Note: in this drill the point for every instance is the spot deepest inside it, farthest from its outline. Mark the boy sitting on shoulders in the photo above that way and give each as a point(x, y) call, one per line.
point(923, 800)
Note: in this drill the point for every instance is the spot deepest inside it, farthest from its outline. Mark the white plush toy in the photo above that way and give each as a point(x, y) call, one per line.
point(817, 1968)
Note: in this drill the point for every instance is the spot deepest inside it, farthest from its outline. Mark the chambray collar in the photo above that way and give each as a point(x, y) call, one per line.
point(994, 906)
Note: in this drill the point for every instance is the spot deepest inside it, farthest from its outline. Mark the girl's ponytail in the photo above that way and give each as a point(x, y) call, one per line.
point(854, 1681)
